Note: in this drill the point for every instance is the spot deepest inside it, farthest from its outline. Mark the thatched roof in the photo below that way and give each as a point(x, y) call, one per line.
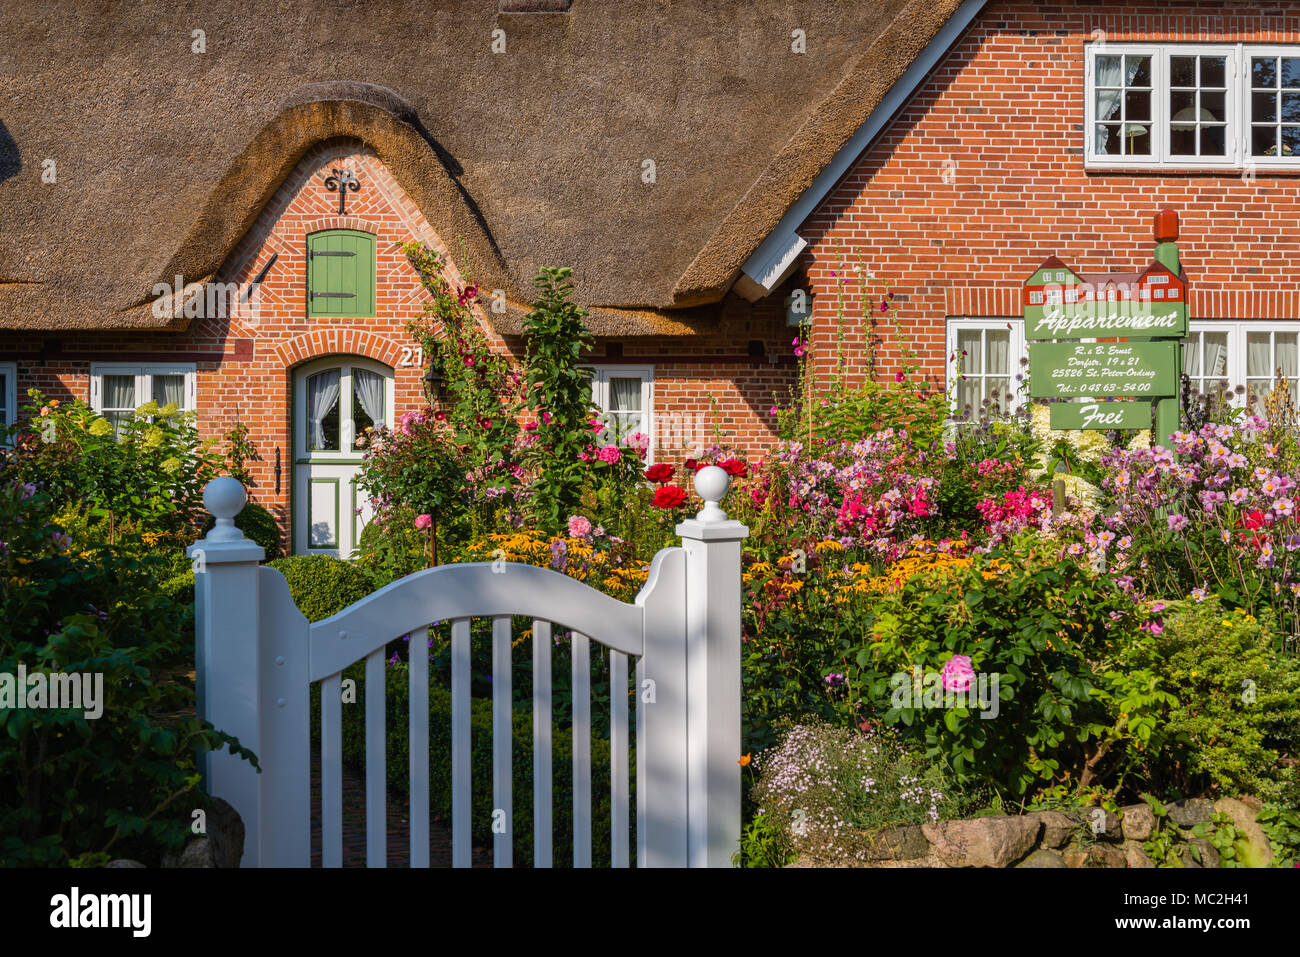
point(533, 156)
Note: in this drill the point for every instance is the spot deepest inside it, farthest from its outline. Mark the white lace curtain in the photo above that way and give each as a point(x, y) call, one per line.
point(322, 397)
point(369, 389)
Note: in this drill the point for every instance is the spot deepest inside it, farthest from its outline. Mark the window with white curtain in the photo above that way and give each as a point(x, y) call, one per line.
point(1188, 105)
point(985, 371)
point(625, 394)
point(1219, 356)
point(117, 390)
point(8, 393)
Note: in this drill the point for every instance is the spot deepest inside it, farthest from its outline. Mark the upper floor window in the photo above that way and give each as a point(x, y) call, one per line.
point(1182, 105)
point(116, 391)
point(341, 273)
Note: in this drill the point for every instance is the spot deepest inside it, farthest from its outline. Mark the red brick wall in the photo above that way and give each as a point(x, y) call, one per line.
point(245, 365)
point(981, 177)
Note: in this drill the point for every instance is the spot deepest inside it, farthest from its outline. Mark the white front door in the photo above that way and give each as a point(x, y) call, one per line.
point(335, 400)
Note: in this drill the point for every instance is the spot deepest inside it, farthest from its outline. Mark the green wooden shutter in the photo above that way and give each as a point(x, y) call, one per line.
point(341, 273)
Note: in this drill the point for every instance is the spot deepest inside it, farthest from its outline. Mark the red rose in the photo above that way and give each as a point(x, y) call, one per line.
point(734, 468)
point(693, 465)
point(659, 473)
point(669, 496)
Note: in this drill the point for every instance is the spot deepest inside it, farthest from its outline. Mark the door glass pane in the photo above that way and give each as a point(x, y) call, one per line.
point(367, 404)
point(4, 399)
point(323, 411)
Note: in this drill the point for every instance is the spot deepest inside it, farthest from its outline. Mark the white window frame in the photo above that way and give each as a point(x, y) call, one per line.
point(10, 371)
point(1238, 331)
point(143, 372)
point(600, 376)
point(1237, 106)
point(1269, 162)
point(1015, 350)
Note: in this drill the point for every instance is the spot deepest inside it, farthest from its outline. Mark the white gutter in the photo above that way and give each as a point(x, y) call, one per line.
point(776, 256)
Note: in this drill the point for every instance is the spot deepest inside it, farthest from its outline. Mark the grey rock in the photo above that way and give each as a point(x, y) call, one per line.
point(1139, 822)
point(1043, 858)
point(1058, 828)
point(1191, 811)
point(124, 862)
point(1252, 845)
point(1209, 856)
point(1106, 855)
point(1137, 857)
point(1105, 828)
point(222, 846)
point(897, 844)
point(983, 842)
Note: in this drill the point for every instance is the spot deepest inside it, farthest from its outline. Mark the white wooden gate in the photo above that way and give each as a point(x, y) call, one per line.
point(257, 657)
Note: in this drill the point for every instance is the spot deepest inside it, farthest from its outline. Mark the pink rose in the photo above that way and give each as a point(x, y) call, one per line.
point(958, 673)
point(579, 527)
point(423, 521)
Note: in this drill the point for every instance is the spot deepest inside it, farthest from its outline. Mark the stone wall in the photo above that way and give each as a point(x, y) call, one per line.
point(1079, 838)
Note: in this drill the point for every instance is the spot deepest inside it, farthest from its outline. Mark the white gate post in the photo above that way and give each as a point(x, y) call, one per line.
point(712, 544)
point(226, 652)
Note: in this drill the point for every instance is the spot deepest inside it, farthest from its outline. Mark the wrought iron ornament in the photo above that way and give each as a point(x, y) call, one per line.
point(342, 180)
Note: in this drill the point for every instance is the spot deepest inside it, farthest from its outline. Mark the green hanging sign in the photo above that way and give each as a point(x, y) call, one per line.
point(1103, 369)
point(1100, 414)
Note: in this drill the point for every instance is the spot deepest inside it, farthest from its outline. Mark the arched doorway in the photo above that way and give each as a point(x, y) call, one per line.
point(335, 399)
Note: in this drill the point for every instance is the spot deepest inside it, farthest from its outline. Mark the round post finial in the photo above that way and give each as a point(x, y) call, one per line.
point(224, 497)
point(711, 484)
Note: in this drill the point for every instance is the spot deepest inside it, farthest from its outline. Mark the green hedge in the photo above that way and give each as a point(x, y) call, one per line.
point(258, 524)
point(322, 585)
point(440, 789)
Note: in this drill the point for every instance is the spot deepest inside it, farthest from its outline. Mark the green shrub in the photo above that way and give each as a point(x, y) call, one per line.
point(1238, 702)
point(1064, 710)
point(179, 588)
point(78, 789)
point(440, 780)
point(259, 525)
point(391, 547)
point(321, 585)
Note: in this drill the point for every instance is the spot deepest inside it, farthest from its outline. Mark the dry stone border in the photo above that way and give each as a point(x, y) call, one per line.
point(1054, 839)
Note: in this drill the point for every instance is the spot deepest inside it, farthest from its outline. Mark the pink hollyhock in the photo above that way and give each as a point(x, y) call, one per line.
point(609, 454)
point(957, 673)
point(423, 521)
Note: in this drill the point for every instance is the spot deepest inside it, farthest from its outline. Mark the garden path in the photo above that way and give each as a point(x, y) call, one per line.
point(399, 833)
